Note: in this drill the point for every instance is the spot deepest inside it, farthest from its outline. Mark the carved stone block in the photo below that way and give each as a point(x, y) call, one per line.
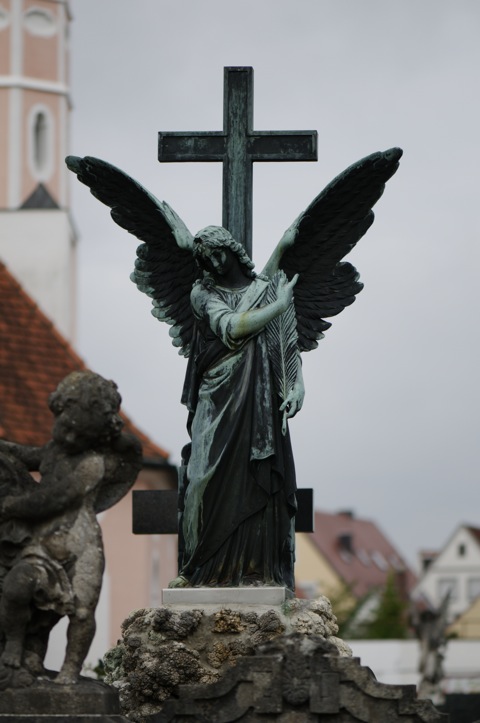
point(295, 678)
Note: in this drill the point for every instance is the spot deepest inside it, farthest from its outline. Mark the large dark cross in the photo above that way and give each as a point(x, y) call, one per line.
point(237, 146)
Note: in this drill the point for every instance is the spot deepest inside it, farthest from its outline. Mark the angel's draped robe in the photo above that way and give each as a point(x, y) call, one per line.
point(237, 488)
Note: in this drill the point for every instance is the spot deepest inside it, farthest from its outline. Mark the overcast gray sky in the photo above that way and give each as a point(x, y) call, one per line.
point(390, 422)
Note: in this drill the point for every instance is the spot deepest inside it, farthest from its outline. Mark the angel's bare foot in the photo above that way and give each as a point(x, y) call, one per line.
point(179, 581)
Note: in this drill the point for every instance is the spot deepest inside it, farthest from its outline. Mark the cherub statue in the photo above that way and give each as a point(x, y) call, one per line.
point(243, 334)
point(51, 551)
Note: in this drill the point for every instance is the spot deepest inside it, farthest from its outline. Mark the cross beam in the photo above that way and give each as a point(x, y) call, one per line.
point(237, 146)
point(155, 512)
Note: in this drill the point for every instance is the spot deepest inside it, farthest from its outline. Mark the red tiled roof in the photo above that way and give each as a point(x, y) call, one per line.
point(34, 358)
point(371, 556)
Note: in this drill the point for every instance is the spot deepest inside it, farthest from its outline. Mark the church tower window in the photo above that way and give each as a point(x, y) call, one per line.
point(40, 141)
point(41, 144)
point(4, 18)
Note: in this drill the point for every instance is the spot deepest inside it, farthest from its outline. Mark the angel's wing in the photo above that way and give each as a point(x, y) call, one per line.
point(330, 227)
point(165, 269)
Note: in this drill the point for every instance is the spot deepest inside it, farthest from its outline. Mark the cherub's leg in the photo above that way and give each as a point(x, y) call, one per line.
point(80, 633)
point(86, 584)
point(16, 611)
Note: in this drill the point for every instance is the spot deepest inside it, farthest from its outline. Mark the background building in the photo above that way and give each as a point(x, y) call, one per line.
point(454, 570)
point(37, 238)
point(346, 558)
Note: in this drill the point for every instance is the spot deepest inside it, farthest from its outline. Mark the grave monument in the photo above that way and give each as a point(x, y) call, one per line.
point(243, 335)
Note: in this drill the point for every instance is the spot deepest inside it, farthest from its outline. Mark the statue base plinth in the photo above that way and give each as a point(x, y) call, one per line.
point(189, 596)
point(88, 701)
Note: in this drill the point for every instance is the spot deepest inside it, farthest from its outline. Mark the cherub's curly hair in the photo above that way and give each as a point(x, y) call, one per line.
point(97, 402)
point(84, 386)
point(217, 237)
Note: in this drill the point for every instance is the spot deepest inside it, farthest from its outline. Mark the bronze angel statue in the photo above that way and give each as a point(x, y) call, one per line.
point(243, 334)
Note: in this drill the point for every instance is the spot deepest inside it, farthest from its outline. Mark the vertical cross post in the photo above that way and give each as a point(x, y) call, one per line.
point(237, 147)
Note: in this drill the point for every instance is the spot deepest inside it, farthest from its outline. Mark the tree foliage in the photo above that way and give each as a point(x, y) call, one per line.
point(389, 621)
point(381, 615)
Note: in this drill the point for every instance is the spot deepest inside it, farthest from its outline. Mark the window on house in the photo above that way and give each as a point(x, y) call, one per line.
point(447, 584)
point(473, 588)
point(462, 549)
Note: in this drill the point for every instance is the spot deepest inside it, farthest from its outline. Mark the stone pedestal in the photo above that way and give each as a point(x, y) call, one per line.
point(88, 701)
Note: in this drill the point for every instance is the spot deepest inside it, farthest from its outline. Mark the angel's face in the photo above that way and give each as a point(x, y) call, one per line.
point(219, 261)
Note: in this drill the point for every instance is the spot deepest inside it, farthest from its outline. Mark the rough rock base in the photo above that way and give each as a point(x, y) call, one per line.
point(166, 647)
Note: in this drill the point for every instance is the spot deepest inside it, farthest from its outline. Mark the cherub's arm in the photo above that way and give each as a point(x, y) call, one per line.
point(29, 456)
point(122, 468)
point(56, 495)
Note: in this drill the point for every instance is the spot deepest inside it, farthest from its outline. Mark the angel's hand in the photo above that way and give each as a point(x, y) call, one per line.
point(294, 401)
point(285, 293)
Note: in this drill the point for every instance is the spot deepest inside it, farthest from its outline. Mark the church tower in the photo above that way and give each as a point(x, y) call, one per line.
point(37, 239)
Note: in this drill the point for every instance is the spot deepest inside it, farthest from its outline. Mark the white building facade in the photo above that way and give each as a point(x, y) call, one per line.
point(456, 569)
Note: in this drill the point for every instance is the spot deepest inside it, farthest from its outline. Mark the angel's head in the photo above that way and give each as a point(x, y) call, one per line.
point(210, 245)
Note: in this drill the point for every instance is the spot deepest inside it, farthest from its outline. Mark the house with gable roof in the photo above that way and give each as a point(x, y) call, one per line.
point(454, 570)
point(346, 558)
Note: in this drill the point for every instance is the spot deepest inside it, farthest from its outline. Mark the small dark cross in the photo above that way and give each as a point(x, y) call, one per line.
point(155, 512)
point(237, 146)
